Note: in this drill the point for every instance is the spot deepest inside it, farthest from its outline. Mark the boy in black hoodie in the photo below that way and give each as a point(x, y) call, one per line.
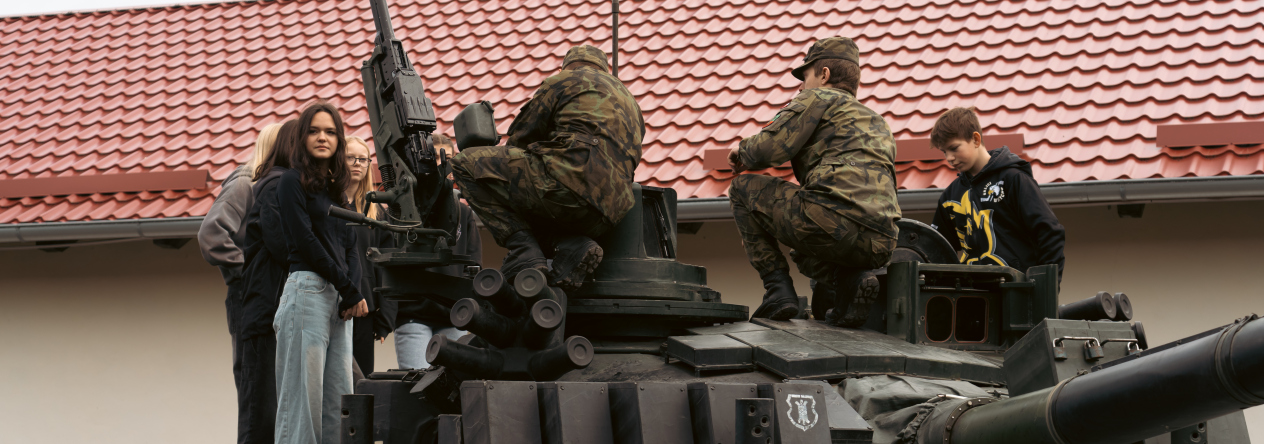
point(994, 213)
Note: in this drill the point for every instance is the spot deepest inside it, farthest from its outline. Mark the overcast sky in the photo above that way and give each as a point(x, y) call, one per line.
point(32, 7)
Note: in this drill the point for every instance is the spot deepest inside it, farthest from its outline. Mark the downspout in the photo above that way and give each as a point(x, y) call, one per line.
point(614, 49)
point(1064, 194)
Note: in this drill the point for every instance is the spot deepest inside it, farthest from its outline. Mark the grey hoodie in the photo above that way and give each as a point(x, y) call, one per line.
point(219, 237)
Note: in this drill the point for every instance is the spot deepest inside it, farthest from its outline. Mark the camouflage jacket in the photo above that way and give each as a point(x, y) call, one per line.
point(842, 152)
point(587, 128)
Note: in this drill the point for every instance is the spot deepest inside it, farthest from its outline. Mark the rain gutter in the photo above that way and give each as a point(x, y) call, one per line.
point(166, 228)
point(1097, 192)
point(1065, 194)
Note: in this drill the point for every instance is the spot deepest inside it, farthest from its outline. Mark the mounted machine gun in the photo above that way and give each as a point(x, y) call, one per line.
point(416, 191)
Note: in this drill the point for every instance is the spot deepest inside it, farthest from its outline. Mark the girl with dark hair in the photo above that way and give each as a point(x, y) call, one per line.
point(320, 296)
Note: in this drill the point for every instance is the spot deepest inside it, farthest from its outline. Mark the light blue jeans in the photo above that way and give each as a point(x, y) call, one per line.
point(411, 340)
point(313, 361)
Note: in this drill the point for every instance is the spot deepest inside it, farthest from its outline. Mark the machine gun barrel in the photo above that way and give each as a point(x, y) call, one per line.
point(382, 20)
point(1140, 397)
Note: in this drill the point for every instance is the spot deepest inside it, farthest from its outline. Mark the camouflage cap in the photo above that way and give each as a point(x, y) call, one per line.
point(829, 48)
point(586, 53)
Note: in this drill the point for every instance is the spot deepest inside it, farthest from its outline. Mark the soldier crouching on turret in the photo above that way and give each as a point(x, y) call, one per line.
point(565, 176)
point(841, 220)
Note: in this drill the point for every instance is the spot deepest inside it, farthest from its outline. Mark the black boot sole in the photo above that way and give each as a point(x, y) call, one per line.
point(572, 268)
point(778, 312)
point(858, 311)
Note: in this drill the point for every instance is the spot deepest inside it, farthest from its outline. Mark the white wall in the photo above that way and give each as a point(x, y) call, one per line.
point(123, 343)
point(128, 342)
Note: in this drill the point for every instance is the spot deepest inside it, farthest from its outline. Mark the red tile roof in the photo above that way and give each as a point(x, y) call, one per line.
point(187, 87)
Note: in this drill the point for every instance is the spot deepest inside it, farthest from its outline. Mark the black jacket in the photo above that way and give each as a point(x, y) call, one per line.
point(318, 242)
point(999, 217)
point(265, 255)
point(428, 312)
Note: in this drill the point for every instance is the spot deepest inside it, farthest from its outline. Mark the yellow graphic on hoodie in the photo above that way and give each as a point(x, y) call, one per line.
point(974, 219)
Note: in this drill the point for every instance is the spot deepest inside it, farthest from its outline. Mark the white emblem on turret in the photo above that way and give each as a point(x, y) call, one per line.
point(802, 411)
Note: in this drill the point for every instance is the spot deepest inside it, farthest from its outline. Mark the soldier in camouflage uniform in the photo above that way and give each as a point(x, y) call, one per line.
point(840, 222)
point(565, 176)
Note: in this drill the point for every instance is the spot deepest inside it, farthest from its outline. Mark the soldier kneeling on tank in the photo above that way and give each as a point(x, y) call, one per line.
point(840, 220)
point(565, 176)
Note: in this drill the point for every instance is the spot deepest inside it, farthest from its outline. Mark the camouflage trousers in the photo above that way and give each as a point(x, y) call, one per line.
point(769, 211)
point(510, 190)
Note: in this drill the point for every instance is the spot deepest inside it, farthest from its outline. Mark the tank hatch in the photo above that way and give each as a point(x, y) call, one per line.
point(804, 349)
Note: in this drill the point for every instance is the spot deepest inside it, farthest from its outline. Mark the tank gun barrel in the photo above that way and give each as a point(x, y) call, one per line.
point(1141, 397)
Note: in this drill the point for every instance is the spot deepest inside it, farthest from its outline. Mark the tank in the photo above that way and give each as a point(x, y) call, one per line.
point(647, 349)
point(646, 352)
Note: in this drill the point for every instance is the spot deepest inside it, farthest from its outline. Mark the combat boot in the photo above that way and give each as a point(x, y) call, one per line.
point(574, 258)
point(780, 300)
point(823, 299)
point(857, 289)
point(524, 253)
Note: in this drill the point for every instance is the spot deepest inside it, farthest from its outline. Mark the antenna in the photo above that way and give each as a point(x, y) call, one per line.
point(614, 65)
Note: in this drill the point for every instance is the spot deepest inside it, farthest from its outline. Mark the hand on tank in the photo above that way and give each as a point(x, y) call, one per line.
point(735, 161)
point(359, 310)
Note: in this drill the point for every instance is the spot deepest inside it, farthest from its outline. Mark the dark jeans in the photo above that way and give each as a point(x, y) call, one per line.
point(232, 305)
point(256, 391)
point(254, 370)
